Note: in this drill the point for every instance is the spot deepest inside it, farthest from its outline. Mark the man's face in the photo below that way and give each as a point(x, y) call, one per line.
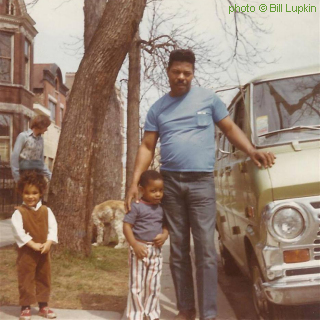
point(180, 75)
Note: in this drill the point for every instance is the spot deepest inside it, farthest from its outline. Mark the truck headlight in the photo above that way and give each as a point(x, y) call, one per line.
point(288, 223)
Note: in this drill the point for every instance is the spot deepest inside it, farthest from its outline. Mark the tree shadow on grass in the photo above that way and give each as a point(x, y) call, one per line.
point(91, 301)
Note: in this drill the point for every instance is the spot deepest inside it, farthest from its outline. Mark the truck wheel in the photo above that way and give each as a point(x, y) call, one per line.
point(265, 309)
point(260, 302)
point(229, 266)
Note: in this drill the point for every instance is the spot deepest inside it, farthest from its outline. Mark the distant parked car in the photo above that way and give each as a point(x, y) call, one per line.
point(269, 219)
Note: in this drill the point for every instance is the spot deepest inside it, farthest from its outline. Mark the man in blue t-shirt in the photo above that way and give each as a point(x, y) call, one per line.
point(184, 120)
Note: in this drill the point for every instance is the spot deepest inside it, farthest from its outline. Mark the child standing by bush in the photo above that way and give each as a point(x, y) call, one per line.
point(144, 229)
point(35, 229)
point(27, 153)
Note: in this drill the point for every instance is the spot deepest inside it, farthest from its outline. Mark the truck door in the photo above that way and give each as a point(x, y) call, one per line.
point(239, 188)
point(224, 205)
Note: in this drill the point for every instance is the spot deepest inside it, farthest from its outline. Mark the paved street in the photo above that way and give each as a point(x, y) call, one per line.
point(6, 236)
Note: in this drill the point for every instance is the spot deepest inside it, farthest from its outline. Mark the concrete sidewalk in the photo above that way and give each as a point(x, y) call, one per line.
point(167, 298)
point(10, 313)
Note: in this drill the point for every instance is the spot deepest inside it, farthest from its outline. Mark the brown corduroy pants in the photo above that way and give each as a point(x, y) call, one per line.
point(34, 276)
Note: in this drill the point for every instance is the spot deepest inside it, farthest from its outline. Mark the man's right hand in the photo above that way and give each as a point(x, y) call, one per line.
point(133, 193)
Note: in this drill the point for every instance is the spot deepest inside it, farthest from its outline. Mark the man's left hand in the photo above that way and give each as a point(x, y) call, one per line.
point(262, 158)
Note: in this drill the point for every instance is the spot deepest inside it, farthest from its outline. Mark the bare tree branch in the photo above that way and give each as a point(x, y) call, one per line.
point(243, 32)
point(32, 3)
point(75, 48)
point(61, 4)
point(169, 31)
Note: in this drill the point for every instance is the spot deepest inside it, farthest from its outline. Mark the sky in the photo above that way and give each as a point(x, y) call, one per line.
point(294, 38)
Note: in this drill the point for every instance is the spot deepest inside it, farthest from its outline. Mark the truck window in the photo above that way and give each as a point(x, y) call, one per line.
point(239, 117)
point(286, 103)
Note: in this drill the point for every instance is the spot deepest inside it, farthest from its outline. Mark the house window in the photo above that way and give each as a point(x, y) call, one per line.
point(5, 56)
point(26, 48)
point(5, 136)
point(27, 64)
point(52, 107)
point(25, 123)
point(10, 8)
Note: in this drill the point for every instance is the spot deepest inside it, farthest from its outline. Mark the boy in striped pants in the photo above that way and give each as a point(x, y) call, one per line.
point(144, 229)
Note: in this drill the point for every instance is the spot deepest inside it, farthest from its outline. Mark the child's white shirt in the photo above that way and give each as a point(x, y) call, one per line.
point(22, 237)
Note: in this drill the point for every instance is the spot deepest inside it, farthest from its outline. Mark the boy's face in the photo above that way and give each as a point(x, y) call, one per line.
point(39, 131)
point(31, 195)
point(153, 191)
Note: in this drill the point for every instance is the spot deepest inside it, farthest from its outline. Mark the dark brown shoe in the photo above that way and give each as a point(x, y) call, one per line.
point(186, 315)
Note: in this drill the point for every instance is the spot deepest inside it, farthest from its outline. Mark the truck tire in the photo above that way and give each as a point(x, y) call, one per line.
point(265, 309)
point(260, 302)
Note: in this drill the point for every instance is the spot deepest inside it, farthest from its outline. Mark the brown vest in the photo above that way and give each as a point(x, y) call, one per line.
point(35, 223)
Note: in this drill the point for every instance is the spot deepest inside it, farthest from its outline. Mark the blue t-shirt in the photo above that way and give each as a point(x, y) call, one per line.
point(147, 220)
point(186, 128)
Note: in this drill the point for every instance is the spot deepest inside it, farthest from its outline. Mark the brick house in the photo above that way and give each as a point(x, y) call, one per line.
point(17, 34)
point(50, 99)
point(26, 89)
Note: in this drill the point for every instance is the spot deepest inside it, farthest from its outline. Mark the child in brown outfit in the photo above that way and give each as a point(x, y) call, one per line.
point(35, 229)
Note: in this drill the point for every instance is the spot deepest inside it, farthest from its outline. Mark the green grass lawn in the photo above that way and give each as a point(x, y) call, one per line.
point(99, 282)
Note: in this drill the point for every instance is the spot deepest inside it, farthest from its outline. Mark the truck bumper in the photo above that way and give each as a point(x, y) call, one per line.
point(295, 292)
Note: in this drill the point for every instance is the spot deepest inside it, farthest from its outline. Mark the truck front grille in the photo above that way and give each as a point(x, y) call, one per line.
point(316, 248)
point(316, 205)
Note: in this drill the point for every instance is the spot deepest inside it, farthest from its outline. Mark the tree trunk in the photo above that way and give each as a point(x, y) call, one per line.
point(71, 191)
point(133, 107)
point(108, 167)
point(108, 163)
point(93, 11)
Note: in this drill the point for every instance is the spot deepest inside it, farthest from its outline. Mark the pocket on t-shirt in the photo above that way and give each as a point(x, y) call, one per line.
point(203, 119)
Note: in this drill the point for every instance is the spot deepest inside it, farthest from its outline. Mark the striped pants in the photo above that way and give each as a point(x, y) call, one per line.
point(144, 284)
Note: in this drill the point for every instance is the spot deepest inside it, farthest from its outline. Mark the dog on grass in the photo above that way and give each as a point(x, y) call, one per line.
point(108, 219)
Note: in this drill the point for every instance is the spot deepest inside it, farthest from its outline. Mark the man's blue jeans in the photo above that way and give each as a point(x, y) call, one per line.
point(189, 203)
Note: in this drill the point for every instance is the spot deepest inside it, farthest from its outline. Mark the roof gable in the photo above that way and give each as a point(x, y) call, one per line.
point(48, 72)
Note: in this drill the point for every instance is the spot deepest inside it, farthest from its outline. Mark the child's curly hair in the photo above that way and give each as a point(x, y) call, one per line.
point(148, 175)
point(32, 178)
